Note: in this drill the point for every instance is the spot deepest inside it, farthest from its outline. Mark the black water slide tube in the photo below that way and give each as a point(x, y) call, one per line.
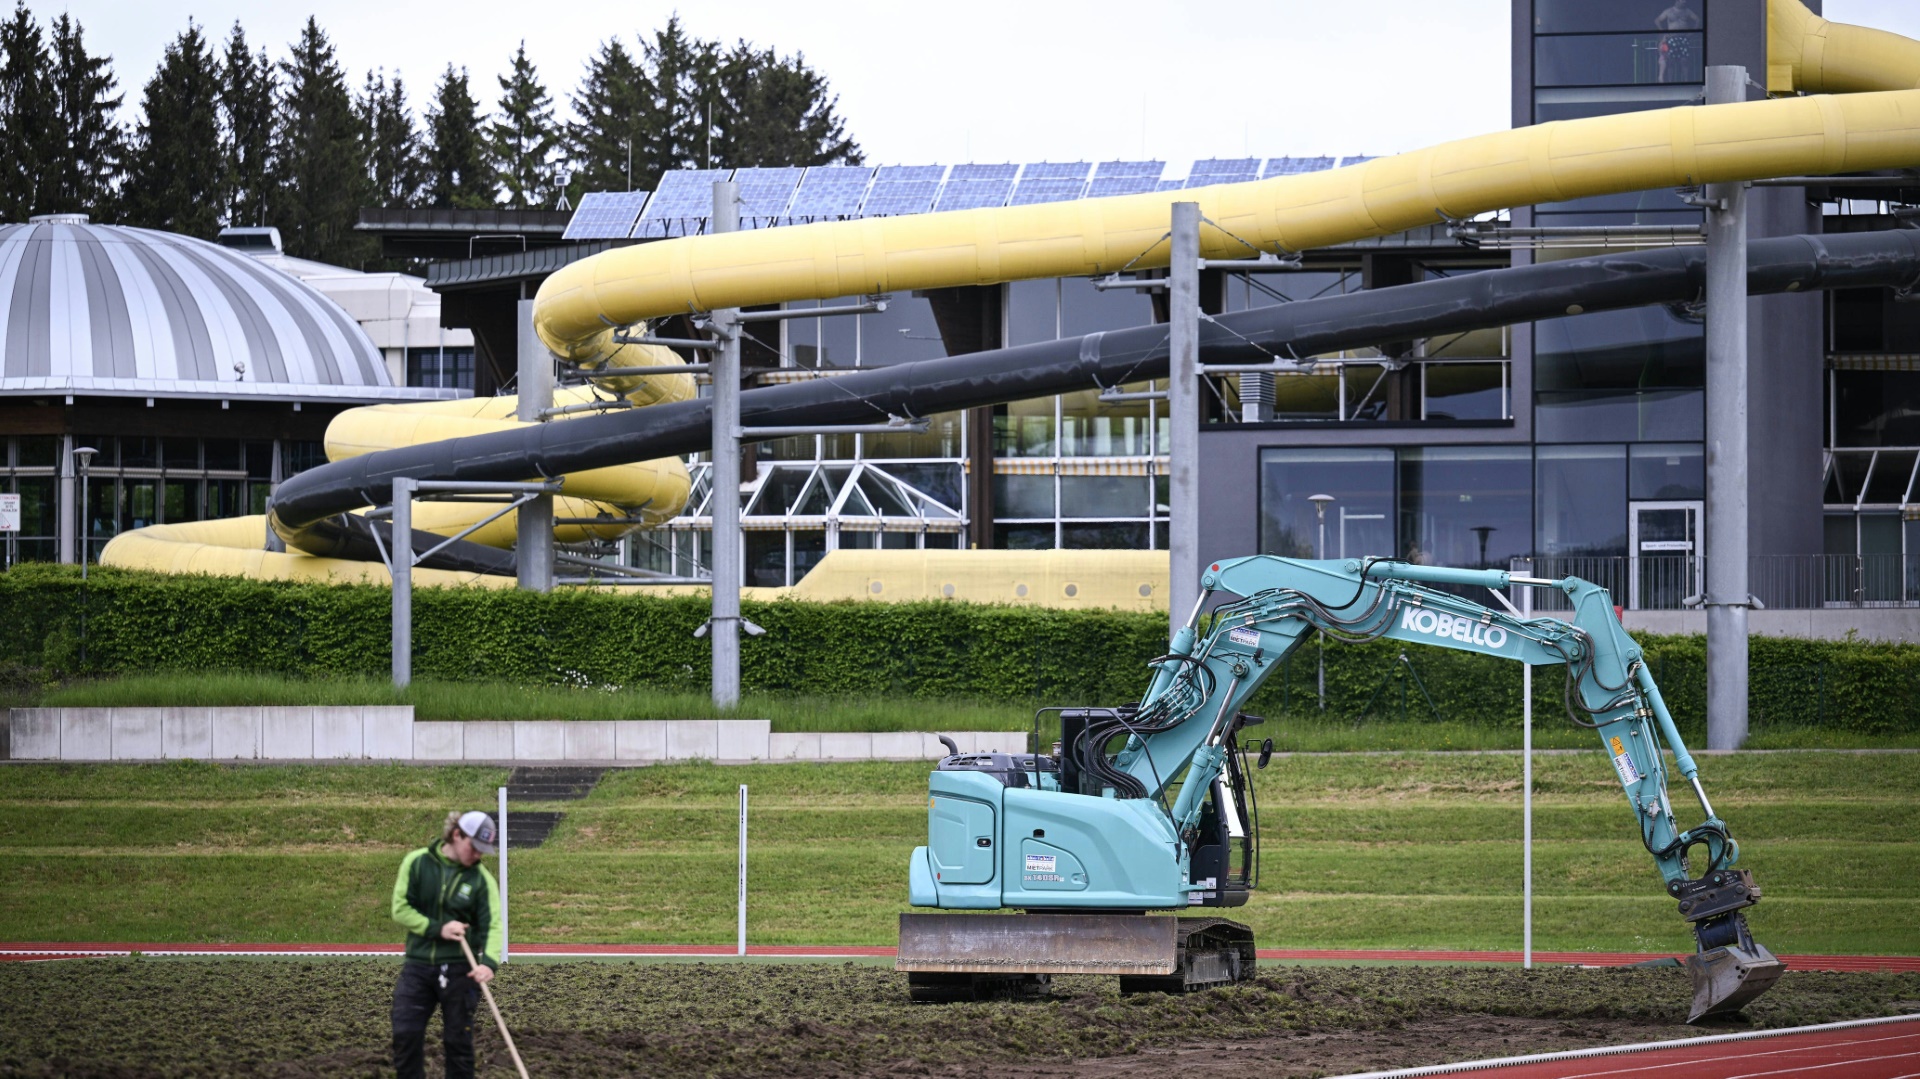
point(311, 510)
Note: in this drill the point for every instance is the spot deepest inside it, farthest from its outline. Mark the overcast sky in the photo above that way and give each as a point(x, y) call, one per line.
point(990, 80)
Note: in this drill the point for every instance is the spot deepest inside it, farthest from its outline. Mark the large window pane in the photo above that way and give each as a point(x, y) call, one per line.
point(1023, 537)
point(1466, 505)
point(1876, 408)
point(940, 439)
point(1358, 522)
point(1579, 103)
point(1089, 428)
point(1024, 428)
point(1023, 496)
point(1103, 496)
point(1465, 391)
point(1313, 396)
point(1655, 414)
point(1580, 495)
point(1033, 312)
point(1085, 309)
point(904, 332)
point(39, 506)
point(840, 335)
point(38, 451)
point(1616, 375)
point(137, 452)
point(1589, 16)
point(1618, 59)
point(1110, 536)
point(1667, 473)
point(766, 558)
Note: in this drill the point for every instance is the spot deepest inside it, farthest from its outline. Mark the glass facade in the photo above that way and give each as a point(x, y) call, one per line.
point(449, 368)
point(1595, 59)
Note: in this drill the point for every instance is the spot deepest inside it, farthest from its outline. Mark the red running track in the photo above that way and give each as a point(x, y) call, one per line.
point(47, 950)
point(1867, 1049)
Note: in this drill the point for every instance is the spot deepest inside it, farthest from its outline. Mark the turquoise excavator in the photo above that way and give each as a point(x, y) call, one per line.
point(1149, 807)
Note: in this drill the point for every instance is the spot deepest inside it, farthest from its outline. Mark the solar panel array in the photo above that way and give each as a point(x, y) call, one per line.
point(830, 191)
point(683, 204)
point(764, 195)
point(605, 215)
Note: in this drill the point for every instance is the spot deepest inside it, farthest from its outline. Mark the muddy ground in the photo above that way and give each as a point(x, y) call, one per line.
point(298, 1018)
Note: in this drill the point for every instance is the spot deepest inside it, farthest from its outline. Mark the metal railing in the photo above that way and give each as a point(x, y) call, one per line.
point(1779, 582)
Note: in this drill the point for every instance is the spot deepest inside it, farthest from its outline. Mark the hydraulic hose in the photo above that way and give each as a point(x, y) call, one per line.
point(311, 511)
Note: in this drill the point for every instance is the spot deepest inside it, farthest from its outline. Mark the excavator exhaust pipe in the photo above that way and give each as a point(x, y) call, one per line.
point(1726, 978)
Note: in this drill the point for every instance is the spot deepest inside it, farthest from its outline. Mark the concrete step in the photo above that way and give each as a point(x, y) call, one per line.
point(561, 784)
point(528, 828)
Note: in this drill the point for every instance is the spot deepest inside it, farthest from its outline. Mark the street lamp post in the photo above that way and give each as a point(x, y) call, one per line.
point(84, 455)
point(1320, 503)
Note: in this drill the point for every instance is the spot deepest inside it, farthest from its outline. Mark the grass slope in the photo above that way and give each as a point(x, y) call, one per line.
point(1360, 851)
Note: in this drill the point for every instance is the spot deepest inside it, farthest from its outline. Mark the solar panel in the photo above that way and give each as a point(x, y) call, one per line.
point(1031, 192)
point(900, 197)
point(1296, 166)
point(899, 174)
point(972, 195)
point(1113, 170)
point(1359, 159)
point(764, 194)
point(1223, 170)
point(681, 205)
point(1104, 186)
point(1055, 170)
point(830, 191)
point(1169, 185)
point(605, 215)
point(971, 173)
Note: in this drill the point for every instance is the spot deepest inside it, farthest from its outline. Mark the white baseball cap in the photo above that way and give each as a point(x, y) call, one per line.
point(479, 828)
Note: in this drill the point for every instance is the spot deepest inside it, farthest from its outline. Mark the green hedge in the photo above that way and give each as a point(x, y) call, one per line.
point(139, 623)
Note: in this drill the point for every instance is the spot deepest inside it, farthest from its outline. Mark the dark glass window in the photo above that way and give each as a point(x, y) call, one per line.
point(1307, 397)
point(138, 453)
point(181, 454)
point(904, 332)
point(939, 481)
point(440, 368)
point(766, 558)
point(300, 456)
point(1103, 496)
point(108, 447)
point(803, 336)
point(1876, 408)
point(39, 505)
point(1023, 537)
point(1618, 59)
point(222, 454)
point(1591, 16)
point(1667, 473)
point(38, 451)
point(1033, 312)
point(1023, 496)
point(1633, 375)
point(840, 335)
point(1580, 103)
point(1465, 391)
point(1358, 522)
point(1085, 309)
point(180, 501)
point(223, 498)
point(809, 547)
point(1109, 536)
point(1466, 505)
point(1580, 500)
point(260, 460)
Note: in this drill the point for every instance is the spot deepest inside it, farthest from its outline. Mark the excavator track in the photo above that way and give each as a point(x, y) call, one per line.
point(963, 957)
point(1211, 952)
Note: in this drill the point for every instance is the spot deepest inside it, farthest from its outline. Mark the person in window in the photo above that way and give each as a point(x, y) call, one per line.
point(1679, 18)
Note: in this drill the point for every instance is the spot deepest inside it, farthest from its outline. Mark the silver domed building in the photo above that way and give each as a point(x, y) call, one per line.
point(199, 374)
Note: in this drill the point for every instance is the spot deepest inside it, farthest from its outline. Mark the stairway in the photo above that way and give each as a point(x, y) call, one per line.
point(528, 828)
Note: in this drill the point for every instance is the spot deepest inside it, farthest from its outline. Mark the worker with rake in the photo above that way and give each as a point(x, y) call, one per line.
point(445, 898)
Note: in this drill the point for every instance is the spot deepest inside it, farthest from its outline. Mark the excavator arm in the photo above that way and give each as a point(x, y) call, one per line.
point(1186, 717)
point(1086, 830)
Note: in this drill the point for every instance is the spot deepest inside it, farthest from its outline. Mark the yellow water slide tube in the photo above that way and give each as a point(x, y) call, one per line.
point(1877, 126)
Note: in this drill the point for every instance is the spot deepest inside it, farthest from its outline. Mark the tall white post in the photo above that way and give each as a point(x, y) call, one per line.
point(503, 875)
point(533, 523)
point(743, 869)
point(728, 565)
point(1183, 409)
point(400, 553)
point(1728, 594)
point(1526, 790)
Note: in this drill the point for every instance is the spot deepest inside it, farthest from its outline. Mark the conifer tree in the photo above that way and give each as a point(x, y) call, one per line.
point(774, 110)
point(28, 116)
point(396, 161)
point(680, 76)
point(612, 105)
point(176, 180)
point(522, 141)
point(83, 176)
point(322, 182)
point(247, 90)
point(457, 172)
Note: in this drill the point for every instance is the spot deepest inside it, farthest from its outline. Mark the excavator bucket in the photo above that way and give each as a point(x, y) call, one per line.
point(1725, 979)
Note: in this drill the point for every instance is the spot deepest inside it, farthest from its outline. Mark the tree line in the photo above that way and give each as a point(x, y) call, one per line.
point(228, 135)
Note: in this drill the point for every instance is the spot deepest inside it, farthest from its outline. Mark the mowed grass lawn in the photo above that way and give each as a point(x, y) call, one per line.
point(1414, 850)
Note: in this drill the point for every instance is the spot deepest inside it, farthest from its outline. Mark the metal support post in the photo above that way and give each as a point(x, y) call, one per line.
point(743, 869)
point(1728, 595)
point(71, 510)
point(1183, 408)
point(1526, 787)
point(727, 563)
point(533, 526)
point(400, 564)
point(503, 875)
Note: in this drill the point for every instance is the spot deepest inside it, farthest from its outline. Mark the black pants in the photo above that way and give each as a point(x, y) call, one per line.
point(422, 988)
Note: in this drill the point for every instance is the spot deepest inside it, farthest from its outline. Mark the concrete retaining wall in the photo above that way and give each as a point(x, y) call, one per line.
point(389, 732)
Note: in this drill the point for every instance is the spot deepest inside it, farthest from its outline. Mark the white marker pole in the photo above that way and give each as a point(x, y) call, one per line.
point(743, 869)
point(1526, 793)
point(503, 874)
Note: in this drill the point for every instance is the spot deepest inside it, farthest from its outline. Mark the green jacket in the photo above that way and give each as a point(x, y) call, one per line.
point(432, 890)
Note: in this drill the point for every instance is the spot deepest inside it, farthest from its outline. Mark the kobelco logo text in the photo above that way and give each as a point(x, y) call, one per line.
point(1464, 630)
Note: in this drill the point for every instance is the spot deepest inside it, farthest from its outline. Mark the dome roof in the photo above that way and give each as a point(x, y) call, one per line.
point(107, 310)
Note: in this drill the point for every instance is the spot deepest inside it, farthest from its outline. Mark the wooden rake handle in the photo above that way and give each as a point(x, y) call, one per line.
point(487, 991)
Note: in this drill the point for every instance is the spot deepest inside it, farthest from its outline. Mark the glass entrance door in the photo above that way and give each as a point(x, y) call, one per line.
point(1667, 563)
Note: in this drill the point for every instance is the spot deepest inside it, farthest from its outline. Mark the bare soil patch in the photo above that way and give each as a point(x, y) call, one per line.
point(302, 1018)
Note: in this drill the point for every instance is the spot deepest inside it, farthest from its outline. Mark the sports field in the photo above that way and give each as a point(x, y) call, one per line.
point(1361, 851)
